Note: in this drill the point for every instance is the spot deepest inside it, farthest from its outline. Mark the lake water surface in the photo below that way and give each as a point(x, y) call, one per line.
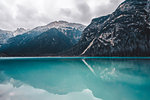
point(75, 78)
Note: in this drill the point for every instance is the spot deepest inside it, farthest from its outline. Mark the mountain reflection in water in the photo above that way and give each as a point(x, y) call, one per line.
point(74, 79)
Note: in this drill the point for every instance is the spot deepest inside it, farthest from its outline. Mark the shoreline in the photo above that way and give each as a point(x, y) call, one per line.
point(72, 57)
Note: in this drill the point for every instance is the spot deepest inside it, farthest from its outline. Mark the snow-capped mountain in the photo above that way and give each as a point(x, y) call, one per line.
point(71, 30)
point(125, 32)
point(58, 35)
point(4, 36)
point(64, 27)
point(60, 24)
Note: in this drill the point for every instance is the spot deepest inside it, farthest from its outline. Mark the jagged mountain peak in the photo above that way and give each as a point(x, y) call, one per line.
point(19, 31)
point(59, 25)
point(65, 24)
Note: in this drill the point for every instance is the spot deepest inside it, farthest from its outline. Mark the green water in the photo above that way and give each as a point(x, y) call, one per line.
point(75, 78)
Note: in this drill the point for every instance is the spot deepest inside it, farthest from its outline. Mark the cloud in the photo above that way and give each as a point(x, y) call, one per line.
point(8, 91)
point(84, 11)
point(102, 10)
point(5, 16)
point(65, 11)
point(29, 16)
point(32, 13)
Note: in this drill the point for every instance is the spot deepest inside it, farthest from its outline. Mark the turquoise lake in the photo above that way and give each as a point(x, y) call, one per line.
point(77, 78)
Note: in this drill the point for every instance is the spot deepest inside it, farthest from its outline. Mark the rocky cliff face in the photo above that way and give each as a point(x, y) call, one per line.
point(125, 32)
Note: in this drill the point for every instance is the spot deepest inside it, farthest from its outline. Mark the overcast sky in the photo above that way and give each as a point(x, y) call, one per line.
point(32, 13)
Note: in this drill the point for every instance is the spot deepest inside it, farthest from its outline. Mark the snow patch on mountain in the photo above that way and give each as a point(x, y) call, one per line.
point(62, 25)
point(4, 36)
point(19, 31)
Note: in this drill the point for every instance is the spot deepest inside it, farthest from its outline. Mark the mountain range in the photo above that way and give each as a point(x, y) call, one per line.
point(125, 32)
point(43, 40)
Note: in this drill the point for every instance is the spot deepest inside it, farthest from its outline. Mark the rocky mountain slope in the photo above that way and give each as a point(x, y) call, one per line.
point(125, 32)
point(47, 43)
point(4, 36)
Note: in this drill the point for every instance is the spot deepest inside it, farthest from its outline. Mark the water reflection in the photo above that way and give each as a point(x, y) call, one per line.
point(69, 79)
